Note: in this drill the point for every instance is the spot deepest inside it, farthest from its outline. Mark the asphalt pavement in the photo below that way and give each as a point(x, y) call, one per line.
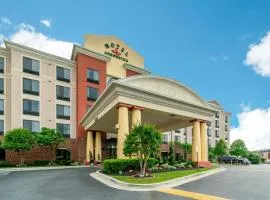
point(237, 182)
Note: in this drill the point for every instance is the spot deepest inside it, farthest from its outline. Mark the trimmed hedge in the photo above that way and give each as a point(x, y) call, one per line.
point(114, 166)
point(6, 164)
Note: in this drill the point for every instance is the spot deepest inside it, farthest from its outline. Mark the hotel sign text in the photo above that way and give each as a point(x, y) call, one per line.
point(116, 51)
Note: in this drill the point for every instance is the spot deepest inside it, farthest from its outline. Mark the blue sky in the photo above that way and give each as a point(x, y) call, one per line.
point(202, 44)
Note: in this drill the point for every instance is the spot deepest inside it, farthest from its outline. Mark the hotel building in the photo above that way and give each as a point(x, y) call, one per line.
point(90, 100)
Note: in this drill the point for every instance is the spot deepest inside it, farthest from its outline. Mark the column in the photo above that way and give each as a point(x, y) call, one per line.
point(123, 128)
point(196, 142)
point(136, 115)
point(98, 147)
point(89, 146)
point(204, 145)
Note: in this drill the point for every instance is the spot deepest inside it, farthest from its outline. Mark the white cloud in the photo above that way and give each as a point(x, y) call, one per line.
point(253, 128)
point(27, 35)
point(5, 20)
point(46, 22)
point(258, 56)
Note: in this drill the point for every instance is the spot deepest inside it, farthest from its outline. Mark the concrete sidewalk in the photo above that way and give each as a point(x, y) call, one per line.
point(19, 169)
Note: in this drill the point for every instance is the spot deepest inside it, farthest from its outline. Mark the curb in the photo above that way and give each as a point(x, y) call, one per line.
point(39, 168)
point(114, 183)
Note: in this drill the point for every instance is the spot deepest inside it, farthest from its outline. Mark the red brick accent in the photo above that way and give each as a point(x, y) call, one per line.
point(205, 164)
point(138, 108)
point(131, 73)
point(83, 63)
point(124, 105)
point(75, 146)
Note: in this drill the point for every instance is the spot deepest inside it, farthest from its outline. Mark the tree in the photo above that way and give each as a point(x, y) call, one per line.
point(50, 138)
point(254, 158)
point(143, 140)
point(171, 154)
point(20, 141)
point(211, 154)
point(238, 148)
point(221, 148)
point(187, 148)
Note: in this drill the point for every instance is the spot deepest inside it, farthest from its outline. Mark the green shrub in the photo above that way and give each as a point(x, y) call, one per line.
point(113, 166)
point(254, 158)
point(6, 164)
point(63, 162)
point(180, 165)
point(41, 162)
point(190, 164)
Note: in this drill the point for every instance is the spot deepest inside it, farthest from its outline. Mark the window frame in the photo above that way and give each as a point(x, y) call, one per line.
point(67, 80)
point(4, 62)
point(62, 124)
point(31, 71)
point(89, 78)
point(32, 121)
point(88, 91)
point(31, 112)
point(31, 87)
point(62, 97)
point(63, 116)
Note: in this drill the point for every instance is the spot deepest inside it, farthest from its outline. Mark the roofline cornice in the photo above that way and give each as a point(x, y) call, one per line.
point(38, 53)
point(136, 69)
point(78, 49)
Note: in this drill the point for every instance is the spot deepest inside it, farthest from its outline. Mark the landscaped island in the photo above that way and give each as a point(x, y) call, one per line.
point(160, 176)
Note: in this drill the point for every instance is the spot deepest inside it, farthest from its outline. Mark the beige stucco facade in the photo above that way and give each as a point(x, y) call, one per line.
point(115, 67)
point(14, 95)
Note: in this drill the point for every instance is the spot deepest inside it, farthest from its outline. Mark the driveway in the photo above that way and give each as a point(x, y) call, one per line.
point(238, 182)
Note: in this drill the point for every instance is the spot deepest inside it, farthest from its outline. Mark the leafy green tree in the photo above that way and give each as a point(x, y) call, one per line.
point(211, 154)
point(254, 158)
point(187, 148)
point(50, 138)
point(143, 140)
point(221, 148)
point(238, 148)
point(19, 140)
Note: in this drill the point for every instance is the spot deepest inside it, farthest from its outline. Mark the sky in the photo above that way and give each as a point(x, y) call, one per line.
point(221, 49)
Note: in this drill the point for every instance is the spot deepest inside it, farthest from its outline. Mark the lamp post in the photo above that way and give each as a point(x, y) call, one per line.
point(197, 151)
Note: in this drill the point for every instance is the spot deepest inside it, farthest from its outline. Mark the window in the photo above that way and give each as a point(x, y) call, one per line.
point(62, 93)
point(217, 114)
point(30, 86)
point(177, 138)
point(165, 139)
point(217, 133)
point(31, 125)
point(1, 86)
point(217, 141)
point(1, 106)
point(226, 119)
point(62, 112)
point(30, 107)
point(177, 131)
point(209, 131)
point(92, 94)
point(185, 131)
point(63, 74)
point(2, 127)
point(209, 142)
point(217, 123)
point(2, 63)
point(226, 127)
point(64, 129)
point(30, 66)
point(92, 76)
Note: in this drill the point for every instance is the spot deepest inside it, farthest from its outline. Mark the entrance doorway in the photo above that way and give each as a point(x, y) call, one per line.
point(110, 148)
point(62, 154)
point(2, 154)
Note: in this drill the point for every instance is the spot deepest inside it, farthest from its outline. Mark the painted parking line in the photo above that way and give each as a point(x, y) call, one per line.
point(192, 195)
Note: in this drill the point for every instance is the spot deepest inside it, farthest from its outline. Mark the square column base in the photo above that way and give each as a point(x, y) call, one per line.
point(204, 164)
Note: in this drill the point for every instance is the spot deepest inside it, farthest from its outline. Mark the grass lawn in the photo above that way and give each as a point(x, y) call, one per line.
point(160, 177)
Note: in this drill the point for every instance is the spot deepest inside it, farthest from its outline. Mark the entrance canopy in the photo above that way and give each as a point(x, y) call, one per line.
point(166, 103)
